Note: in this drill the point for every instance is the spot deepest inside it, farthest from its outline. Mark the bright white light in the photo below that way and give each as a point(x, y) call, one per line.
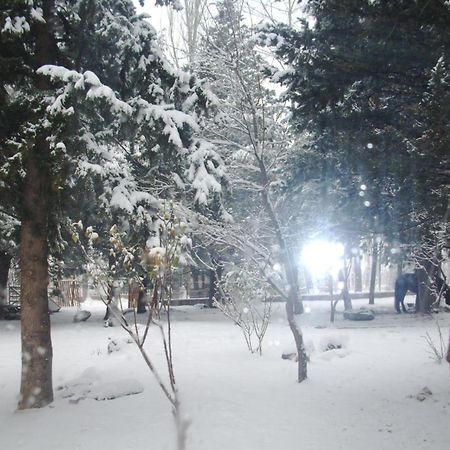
point(277, 267)
point(363, 187)
point(322, 257)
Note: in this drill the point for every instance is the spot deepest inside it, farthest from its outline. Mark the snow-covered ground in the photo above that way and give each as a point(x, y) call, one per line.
point(362, 396)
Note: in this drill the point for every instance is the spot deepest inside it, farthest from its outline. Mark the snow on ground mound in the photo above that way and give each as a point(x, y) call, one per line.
point(333, 346)
point(333, 342)
point(81, 316)
point(91, 384)
point(116, 389)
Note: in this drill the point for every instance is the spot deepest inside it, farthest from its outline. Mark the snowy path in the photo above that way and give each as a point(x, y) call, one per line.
point(358, 397)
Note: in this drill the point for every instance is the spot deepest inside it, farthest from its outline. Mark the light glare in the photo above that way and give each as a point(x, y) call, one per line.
point(322, 257)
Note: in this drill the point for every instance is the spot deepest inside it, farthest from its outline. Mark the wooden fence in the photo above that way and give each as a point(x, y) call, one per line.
point(69, 293)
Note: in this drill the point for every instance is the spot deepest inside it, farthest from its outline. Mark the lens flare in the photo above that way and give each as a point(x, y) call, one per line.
point(322, 257)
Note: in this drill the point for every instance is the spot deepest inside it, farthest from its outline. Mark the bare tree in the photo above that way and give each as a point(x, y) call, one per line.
point(275, 11)
point(159, 261)
point(255, 138)
point(184, 30)
point(246, 300)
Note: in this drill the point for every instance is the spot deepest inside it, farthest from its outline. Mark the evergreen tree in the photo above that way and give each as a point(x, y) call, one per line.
point(359, 80)
point(86, 94)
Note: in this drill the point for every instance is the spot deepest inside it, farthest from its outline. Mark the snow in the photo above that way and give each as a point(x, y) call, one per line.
point(17, 25)
point(37, 14)
point(91, 384)
point(97, 90)
point(81, 316)
point(378, 390)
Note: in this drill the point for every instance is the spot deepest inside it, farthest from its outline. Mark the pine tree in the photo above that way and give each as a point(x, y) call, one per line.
point(357, 79)
point(86, 95)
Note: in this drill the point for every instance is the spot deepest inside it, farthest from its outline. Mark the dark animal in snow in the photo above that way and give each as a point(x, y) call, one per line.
point(408, 282)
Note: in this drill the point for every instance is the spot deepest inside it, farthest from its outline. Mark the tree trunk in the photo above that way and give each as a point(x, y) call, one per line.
point(141, 309)
point(36, 389)
point(5, 263)
point(343, 278)
point(373, 272)
point(333, 302)
point(294, 304)
point(109, 299)
point(346, 297)
point(215, 276)
point(212, 287)
point(358, 274)
point(36, 386)
point(425, 297)
point(302, 368)
point(400, 268)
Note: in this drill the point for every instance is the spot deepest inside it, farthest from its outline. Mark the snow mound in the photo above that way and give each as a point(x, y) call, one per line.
point(90, 384)
point(116, 389)
point(81, 316)
point(423, 394)
point(333, 342)
point(333, 354)
point(116, 345)
point(80, 387)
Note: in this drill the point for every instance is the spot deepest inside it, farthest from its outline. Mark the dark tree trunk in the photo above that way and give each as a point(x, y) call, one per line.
point(215, 275)
point(141, 309)
point(373, 272)
point(109, 300)
point(425, 297)
point(36, 388)
point(5, 263)
point(212, 287)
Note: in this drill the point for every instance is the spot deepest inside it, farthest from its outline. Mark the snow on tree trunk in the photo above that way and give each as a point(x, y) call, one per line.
point(36, 388)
